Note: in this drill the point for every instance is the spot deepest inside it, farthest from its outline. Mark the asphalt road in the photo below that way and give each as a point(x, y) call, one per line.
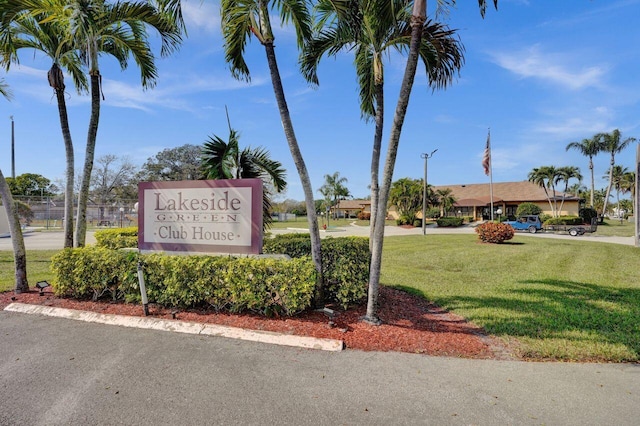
point(63, 372)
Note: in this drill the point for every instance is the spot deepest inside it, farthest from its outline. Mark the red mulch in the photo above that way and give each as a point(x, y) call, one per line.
point(410, 324)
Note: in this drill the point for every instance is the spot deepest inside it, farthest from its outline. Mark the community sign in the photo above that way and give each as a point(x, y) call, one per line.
point(223, 216)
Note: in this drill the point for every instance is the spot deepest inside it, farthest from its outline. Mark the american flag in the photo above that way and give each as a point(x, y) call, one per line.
point(486, 158)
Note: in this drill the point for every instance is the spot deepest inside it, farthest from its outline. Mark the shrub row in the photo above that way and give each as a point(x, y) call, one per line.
point(264, 285)
point(564, 220)
point(496, 233)
point(117, 238)
point(345, 263)
point(444, 222)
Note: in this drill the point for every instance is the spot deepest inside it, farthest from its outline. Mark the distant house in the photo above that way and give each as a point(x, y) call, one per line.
point(474, 199)
point(350, 208)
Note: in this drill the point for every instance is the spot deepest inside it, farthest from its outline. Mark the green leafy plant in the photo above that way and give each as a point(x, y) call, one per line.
point(444, 222)
point(525, 209)
point(117, 238)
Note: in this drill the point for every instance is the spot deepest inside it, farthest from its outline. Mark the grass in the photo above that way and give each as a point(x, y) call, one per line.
point(558, 299)
point(301, 222)
point(554, 299)
point(615, 228)
point(38, 262)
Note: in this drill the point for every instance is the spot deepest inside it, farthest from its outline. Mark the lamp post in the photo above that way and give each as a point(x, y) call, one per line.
point(426, 157)
point(499, 213)
point(121, 215)
point(13, 150)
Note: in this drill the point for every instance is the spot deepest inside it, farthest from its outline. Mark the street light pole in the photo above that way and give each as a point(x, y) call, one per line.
point(426, 157)
point(13, 150)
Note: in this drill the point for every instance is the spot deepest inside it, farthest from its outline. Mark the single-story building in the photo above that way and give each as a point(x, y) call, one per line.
point(474, 199)
point(350, 208)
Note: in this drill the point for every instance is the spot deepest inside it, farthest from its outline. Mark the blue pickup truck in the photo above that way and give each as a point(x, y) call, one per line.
point(529, 223)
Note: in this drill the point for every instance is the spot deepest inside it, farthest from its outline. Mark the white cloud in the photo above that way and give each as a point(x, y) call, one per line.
point(534, 63)
point(201, 15)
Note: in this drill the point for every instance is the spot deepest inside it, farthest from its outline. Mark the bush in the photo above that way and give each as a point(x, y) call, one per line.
point(444, 222)
point(587, 214)
point(417, 223)
point(433, 213)
point(117, 238)
point(525, 209)
point(364, 215)
point(261, 285)
point(467, 219)
point(406, 219)
point(564, 220)
point(345, 263)
point(495, 233)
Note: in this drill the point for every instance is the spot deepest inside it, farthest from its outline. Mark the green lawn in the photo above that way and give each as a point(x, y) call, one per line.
point(552, 298)
point(301, 222)
point(616, 229)
point(560, 299)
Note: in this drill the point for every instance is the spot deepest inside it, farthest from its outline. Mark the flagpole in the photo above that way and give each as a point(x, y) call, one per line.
point(490, 171)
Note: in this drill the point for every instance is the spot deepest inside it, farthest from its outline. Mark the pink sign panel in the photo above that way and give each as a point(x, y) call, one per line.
point(223, 216)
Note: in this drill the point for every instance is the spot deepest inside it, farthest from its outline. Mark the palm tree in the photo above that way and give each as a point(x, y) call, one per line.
point(242, 19)
point(225, 160)
point(29, 32)
point(589, 148)
point(446, 200)
point(96, 27)
point(613, 144)
point(618, 177)
point(546, 177)
point(334, 189)
point(565, 174)
point(377, 27)
point(17, 240)
point(628, 184)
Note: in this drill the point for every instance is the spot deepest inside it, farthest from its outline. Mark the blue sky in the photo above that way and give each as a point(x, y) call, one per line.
point(539, 73)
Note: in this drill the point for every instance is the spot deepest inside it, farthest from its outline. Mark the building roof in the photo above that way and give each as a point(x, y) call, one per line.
point(352, 204)
point(478, 194)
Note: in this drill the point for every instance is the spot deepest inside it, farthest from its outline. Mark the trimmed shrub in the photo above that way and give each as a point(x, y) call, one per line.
point(267, 286)
point(587, 214)
point(364, 215)
point(433, 213)
point(445, 222)
point(525, 209)
point(495, 233)
point(117, 238)
point(345, 263)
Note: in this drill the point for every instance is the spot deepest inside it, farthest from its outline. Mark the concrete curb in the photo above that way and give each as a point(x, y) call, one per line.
point(181, 327)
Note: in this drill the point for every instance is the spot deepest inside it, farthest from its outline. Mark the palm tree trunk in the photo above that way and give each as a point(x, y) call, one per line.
point(606, 197)
point(68, 190)
point(593, 183)
point(375, 160)
point(19, 251)
point(83, 197)
point(314, 231)
point(417, 21)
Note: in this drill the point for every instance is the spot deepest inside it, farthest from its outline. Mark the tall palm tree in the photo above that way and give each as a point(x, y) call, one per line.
point(33, 32)
point(546, 177)
point(628, 184)
point(225, 160)
point(376, 27)
point(17, 240)
point(613, 144)
point(96, 27)
point(334, 188)
point(446, 199)
point(589, 148)
point(618, 177)
point(242, 19)
point(565, 174)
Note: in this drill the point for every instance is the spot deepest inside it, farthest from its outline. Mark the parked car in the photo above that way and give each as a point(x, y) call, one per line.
point(529, 223)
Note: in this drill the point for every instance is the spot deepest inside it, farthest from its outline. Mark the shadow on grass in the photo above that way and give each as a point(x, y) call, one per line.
point(549, 308)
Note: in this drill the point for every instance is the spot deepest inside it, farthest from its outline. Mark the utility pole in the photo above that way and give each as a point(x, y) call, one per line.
point(13, 150)
point(636, 207)
point(426, 157)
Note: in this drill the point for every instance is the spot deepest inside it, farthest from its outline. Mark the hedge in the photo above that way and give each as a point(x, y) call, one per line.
point(117, 238)
point(564, 220)
point(264, 285)
point(449, 222)
point(345, 263)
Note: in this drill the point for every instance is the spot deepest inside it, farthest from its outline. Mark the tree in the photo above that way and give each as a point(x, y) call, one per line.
point(628, 184)
point(334, 190)
point(418, 19)
point(546, 177)
point(112, 181)
point(565, 174)
point(17, 240)
point(225, 160)
point(613, 144)
point(589, 148)
point(96, 27)
point(180, 163)
point(406, 196)
point(370, 30)
point(29, 31)
point(526, 209)
point(446, 199)
point(30, 185)
point(618, 179)
point(242, 19)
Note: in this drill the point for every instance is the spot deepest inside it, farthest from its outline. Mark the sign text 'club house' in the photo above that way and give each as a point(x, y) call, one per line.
point(223, 216)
